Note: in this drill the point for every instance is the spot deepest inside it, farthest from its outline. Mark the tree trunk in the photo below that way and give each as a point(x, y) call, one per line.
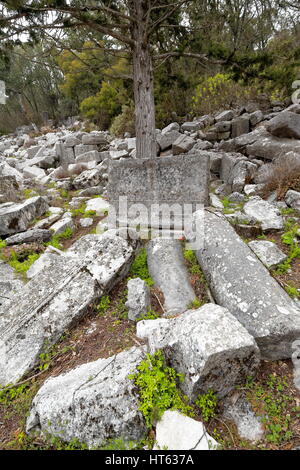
point(143, 85)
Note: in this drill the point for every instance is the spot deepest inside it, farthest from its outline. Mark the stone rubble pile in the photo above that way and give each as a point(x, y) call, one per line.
point(218, 345)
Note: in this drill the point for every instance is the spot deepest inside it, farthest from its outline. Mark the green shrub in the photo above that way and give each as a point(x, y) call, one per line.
point(139, 268)
point(207, 404)
point(158, 389)
point(124, 122)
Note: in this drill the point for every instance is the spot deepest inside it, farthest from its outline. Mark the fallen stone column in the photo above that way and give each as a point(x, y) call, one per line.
point(55, 299)
point(168, 271)
point(16, 218)
point(241, 283)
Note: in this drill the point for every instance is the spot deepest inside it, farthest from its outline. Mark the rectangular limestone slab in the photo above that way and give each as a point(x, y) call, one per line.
point(181, 179)
point(242, 284)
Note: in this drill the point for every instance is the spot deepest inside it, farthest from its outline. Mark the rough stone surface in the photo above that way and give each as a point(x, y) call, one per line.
point(248, 424)
point(268, 253)
point(264, 212)
point(183, 144)
point(292, 198)
point(16, 218)
point(208, 346)
point(240, 126)
point(138, 301)
point(175, 431)
point(183, 179)
point(168, 271)
point(93, 403)
point(88, 179)
point(30, 236)
point(285, 124)
point(243, 285)
point(8, 189)
point(61, 225)
point(166, 139)
point(99, 205)
point(58, 297)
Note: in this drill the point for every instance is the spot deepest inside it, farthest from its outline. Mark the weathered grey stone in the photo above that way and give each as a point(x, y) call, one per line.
point(183, 144)
point(86, 222)
point(167, 139)
point(16, 218)
point(242, 284)
point(208, 346)
point(203, 145)
point(7, 170)
point(175, 431)
point(292, 198)
point(294, 108)
point(223, 126)
point(215, 201)
point(58, 297)
point(33, 172)
point(92, 156)
point(61, 225)
point(92, 191)
point(99, 205)
point(252, 189)
point(32, 151)
point(88, 178)
point(240, 125)
point(168, 271)
point(262, 211)
point(94, 138)
point(71, 141)
point(184, 179)
point(249, 425)
point(225, 116)
point(8, 189)
point(93, 403)
point(193, 126)
point(30, 236)
point(43, 261)
point(81, 149)
point(56, 213)
point(256, 117)
point(10, 284)
point(269, 254)
point(286, 124)
point(174, 126)
point(138, 301)
point(117, 154)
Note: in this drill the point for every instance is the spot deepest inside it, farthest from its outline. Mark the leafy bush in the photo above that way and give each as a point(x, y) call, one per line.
point(219, 92)
point(124, 122)
point(157, 384)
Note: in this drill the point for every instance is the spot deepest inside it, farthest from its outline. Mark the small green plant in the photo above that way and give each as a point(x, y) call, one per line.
point(272, 402)
point(226, 203)
point(289, 238)
point(55, 240)
point(103, 305)
point(21, 262)
point(150, 315)
point(158, 389)
point(293, 292)
point(196, 303)
point(288, 211)
point(207, 404)
point(139, 268)
point(27, 193)
point(2, 243)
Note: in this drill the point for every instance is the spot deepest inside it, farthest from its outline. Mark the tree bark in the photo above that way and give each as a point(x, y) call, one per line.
point(143, 85)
